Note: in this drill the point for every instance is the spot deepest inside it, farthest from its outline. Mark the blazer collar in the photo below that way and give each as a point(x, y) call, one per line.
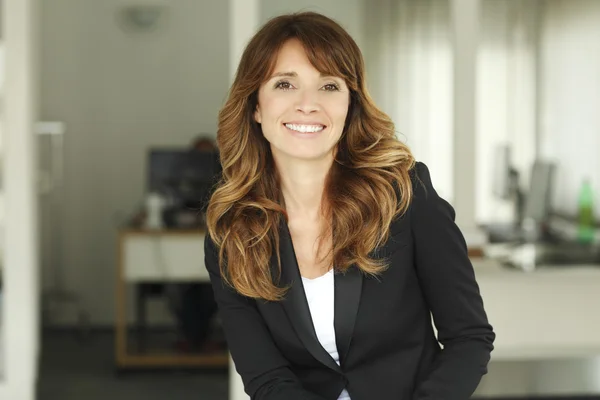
point(347, 294)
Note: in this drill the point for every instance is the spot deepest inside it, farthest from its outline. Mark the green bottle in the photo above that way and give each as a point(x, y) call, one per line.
point(585, 230)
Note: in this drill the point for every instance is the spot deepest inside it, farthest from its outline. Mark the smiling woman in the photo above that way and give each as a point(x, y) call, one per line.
point(328, 247)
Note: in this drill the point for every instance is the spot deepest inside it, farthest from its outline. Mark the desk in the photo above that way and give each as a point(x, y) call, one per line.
point(165, 256)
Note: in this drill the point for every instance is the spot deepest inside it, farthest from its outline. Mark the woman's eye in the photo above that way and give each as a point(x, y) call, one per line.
point(285, 85)
point(331, 87)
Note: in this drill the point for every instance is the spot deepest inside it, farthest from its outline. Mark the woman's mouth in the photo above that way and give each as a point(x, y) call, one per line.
point(305, 128)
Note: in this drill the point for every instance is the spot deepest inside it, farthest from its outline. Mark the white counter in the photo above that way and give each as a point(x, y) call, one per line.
point(548, 330)
point(549, 313)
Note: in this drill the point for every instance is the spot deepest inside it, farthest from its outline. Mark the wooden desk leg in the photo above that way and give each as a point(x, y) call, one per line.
point(140, 306)
point(121, 306)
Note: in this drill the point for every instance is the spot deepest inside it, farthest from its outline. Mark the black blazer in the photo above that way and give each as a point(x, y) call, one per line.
point(383, 326)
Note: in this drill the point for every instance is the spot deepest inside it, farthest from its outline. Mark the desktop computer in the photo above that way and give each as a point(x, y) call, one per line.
point(532, 209)
point(185, 179)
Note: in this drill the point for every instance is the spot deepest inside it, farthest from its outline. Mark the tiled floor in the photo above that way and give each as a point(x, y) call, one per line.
point(72, 369)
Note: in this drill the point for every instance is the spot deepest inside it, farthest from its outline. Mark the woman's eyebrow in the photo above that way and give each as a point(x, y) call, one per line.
point(290, 74)
point(293, 74)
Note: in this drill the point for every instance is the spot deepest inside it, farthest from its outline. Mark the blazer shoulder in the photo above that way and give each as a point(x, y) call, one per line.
point(426, 202)
point(421, 182)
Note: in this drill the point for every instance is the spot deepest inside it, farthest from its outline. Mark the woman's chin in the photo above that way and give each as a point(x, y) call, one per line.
point(305, 154)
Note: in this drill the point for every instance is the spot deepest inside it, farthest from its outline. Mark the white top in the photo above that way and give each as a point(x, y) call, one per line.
point(320, 296)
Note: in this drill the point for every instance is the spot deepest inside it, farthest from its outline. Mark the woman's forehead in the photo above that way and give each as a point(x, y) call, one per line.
point(293, 54)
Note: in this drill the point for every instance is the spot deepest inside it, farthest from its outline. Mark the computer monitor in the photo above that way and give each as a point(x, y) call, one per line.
point(502, 173)
point(538, 199)
point(186, 177)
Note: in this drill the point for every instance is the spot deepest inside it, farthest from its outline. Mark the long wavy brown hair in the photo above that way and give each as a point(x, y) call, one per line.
point(367, 186)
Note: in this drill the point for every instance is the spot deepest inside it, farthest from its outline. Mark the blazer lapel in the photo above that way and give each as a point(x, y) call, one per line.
point(348, 288)
point(295, 303)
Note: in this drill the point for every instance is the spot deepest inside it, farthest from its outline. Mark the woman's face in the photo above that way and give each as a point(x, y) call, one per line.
point(301, 112)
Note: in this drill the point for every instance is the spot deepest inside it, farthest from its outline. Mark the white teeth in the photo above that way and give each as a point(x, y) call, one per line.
point(305, 128)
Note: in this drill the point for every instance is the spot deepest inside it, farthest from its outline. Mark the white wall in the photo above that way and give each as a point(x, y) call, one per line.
point(570, 96)
point(119, 94)
point(347, 12)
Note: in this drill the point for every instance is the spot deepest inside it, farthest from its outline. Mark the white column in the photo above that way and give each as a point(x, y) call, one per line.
point(465, 38)
point(20, 320)
point(243, 23)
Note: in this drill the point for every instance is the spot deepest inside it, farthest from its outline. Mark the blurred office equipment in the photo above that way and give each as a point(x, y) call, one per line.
point(531, 208)
point(154, 208)
point(537, 203)
point(505, 186)
point(537, 206)
point(184, 178)
point(505, 177)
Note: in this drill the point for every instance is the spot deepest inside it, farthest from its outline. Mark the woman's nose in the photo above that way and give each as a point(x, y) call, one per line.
point(308, 102)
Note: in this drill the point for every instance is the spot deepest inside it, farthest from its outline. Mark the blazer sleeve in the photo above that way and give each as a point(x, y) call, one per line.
point(452, 294)
point(265, 372)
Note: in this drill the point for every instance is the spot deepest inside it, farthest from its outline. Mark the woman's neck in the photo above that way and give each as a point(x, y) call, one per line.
point(302, 185)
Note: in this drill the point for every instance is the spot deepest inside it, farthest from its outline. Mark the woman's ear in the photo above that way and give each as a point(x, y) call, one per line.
point(257, 116)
